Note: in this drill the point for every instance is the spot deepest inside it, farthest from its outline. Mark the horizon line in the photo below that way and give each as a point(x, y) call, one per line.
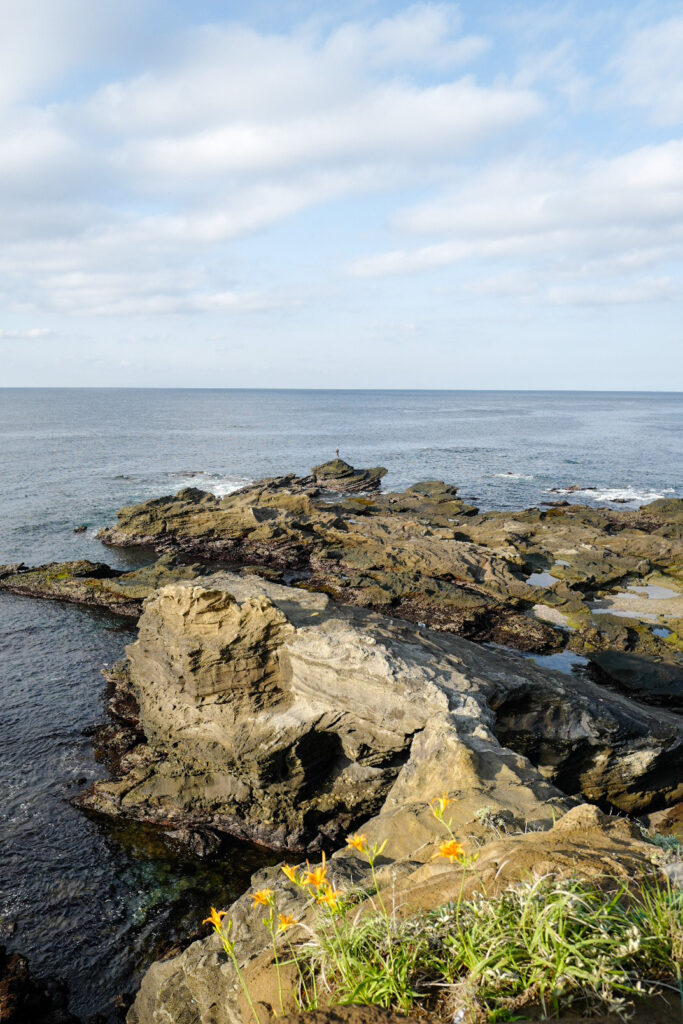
point(258, 387)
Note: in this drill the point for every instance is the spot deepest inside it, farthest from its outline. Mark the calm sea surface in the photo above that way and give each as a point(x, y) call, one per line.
point(93, 904)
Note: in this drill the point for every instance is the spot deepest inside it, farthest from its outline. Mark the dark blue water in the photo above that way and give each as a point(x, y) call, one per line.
point(93, 904)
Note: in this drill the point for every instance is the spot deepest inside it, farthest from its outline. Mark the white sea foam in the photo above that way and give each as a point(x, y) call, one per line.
point(223, 485)
point(215, 484)
point(621, 495)
point(515, 476)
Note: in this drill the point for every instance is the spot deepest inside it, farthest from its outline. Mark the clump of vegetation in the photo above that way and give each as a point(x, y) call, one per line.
point(547, 942)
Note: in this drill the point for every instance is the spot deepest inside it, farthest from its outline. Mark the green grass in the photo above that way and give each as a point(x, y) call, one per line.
point(550, 943)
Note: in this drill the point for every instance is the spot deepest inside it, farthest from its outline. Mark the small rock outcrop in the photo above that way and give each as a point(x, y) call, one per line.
point(339, 476)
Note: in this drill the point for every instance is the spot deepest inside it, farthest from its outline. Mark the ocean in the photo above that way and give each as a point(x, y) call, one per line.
point(93, 904)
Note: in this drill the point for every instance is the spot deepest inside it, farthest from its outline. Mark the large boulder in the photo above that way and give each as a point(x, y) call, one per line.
point(271, 714)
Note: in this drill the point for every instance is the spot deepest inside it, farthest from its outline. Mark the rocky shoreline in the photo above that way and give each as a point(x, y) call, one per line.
point(315, 654)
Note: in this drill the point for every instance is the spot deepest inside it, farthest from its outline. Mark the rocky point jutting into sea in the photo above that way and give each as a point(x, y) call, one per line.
point(315, 655)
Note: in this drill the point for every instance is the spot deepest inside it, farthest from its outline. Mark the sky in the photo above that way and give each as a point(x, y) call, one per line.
point(351, 194)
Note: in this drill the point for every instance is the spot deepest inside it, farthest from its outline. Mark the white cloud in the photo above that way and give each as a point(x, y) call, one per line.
point(635, 293)
point(226, 132)
point(29, 334)
point(42, 40)
point(526, 196)
point(147, 169)
point(650, 71)
point(123, 292)
point(562, 218)
point(422, 36)
point(392, 122)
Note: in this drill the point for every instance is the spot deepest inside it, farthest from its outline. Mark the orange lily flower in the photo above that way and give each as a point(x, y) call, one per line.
point(263, 896)
point(439, 804)
point(328, 896)
point(316, 878)
point(452, 850)
point(291, 874)
point(286, 921)
point(358, 841)
point(215, 918)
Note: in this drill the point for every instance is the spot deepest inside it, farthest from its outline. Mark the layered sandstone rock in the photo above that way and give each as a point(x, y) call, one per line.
point(339, 476)
point(272, 714)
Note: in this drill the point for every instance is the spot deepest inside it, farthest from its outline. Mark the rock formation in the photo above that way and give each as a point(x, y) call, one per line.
point(274, 715)
point(287, 715)
point(95, 584)
point(200, 986)
point(538, 580)
point(339, 476)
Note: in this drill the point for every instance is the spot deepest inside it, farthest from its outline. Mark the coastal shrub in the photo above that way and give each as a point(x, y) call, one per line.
point(549, 942)
point(671, 845)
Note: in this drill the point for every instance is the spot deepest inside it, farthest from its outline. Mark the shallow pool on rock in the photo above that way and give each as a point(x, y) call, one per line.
point(564, 661)
point(652, 591)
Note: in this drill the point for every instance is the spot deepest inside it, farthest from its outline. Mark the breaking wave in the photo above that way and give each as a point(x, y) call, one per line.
point(620, 495)
point(216, 484)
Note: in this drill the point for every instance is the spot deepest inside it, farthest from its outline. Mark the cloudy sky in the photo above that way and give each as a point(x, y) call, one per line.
point(348, 194)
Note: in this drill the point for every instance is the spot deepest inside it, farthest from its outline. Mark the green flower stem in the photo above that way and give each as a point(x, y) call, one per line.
point(460, 895)
point(230, 951)
point(387, 920)
point(304, 987)
point(269, 923)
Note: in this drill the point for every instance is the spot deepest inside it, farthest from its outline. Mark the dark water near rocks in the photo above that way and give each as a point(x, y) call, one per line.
point(94, 904)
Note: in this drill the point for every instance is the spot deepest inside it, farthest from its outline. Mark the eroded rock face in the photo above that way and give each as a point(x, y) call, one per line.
point(272, 714)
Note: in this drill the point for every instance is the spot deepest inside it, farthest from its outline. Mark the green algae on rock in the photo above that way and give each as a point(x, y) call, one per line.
point(96, 584)
point(536, 580)
point(425, 555)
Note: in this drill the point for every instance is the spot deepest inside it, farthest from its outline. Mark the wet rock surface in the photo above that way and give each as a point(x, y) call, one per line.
point(28, 1000)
